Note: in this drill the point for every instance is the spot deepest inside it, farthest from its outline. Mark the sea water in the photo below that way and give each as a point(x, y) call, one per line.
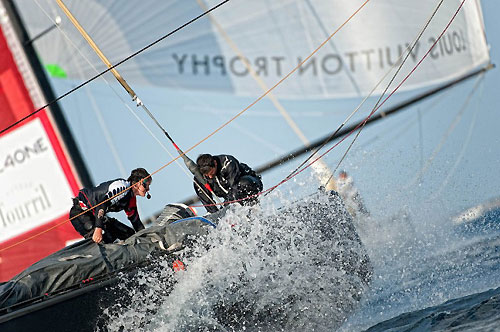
point(261, 269)
point(436, 276)
point(263, 277)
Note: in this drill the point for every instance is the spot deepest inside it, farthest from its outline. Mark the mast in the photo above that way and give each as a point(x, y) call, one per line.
point(41, 164)
point(54, 110)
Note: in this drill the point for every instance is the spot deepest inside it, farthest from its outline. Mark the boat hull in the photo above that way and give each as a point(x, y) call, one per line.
point(71, 289)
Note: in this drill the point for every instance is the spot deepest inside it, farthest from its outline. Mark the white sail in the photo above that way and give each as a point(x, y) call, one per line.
point(274, 36)
point(194, 80)
point(176, 74)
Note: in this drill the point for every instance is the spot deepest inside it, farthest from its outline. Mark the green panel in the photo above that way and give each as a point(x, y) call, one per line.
point(55, 71)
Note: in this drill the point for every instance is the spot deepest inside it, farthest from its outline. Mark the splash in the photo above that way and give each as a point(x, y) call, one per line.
point(301, 266)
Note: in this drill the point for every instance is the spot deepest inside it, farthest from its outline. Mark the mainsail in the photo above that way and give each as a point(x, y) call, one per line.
point(200, 62)
point(213, 55)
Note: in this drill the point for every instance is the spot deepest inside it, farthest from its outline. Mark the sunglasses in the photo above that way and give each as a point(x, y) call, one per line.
point(145, 184)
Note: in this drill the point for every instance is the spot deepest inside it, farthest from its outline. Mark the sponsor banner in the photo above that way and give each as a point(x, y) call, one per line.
point(35, 189)
point(35, 169)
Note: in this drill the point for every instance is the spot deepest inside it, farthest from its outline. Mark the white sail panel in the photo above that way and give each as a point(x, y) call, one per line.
point(274, 36)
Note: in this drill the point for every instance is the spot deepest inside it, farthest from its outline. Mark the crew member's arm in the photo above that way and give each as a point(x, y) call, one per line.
point(133, 215)
point(97, 236)
point(230, 171)
point(205, 196)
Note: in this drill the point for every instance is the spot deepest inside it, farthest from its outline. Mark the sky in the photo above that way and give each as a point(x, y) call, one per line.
point(432, 160)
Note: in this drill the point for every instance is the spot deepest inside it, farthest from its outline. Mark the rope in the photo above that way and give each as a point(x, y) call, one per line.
point(390, 82)
point(120, 79)
point(114, 66)
point(367, 118)
point(244, 110)
point(441, 143)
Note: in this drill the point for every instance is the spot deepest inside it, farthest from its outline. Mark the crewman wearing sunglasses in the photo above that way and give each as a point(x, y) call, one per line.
point(88, 215)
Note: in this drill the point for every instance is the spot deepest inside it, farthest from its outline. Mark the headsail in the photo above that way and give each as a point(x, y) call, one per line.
point(273, 36)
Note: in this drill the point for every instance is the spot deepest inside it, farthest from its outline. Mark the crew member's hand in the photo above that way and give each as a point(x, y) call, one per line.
point(97, 237)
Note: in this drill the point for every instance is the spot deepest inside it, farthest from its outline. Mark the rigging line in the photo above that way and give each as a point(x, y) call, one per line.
point(325, 31)
point(241, 112)
point(460, 156)
point(189, 163)
point(322, 168)
point(216, 113)
point(114, 66)
point(396, 134)
point(452, 126)
point(69, 219)
point(366, 98)
point(116, 93)
point(395, 89)
point(390, 82)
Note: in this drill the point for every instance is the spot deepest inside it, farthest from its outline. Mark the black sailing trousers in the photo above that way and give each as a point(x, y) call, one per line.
point(85, 225)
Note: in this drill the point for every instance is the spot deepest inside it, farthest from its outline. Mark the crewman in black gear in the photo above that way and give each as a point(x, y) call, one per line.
point(94, 224)
point(226, 177)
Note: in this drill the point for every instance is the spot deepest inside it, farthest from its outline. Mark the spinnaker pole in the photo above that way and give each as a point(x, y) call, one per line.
point(115, 72)
point(192, 167)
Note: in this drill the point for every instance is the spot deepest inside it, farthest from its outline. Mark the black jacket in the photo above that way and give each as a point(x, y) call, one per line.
point(126, 201)
point(226, 182)
point(227, 176)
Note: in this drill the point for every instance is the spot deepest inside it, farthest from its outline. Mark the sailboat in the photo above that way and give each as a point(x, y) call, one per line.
point(204, 59)
point(196, 78)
